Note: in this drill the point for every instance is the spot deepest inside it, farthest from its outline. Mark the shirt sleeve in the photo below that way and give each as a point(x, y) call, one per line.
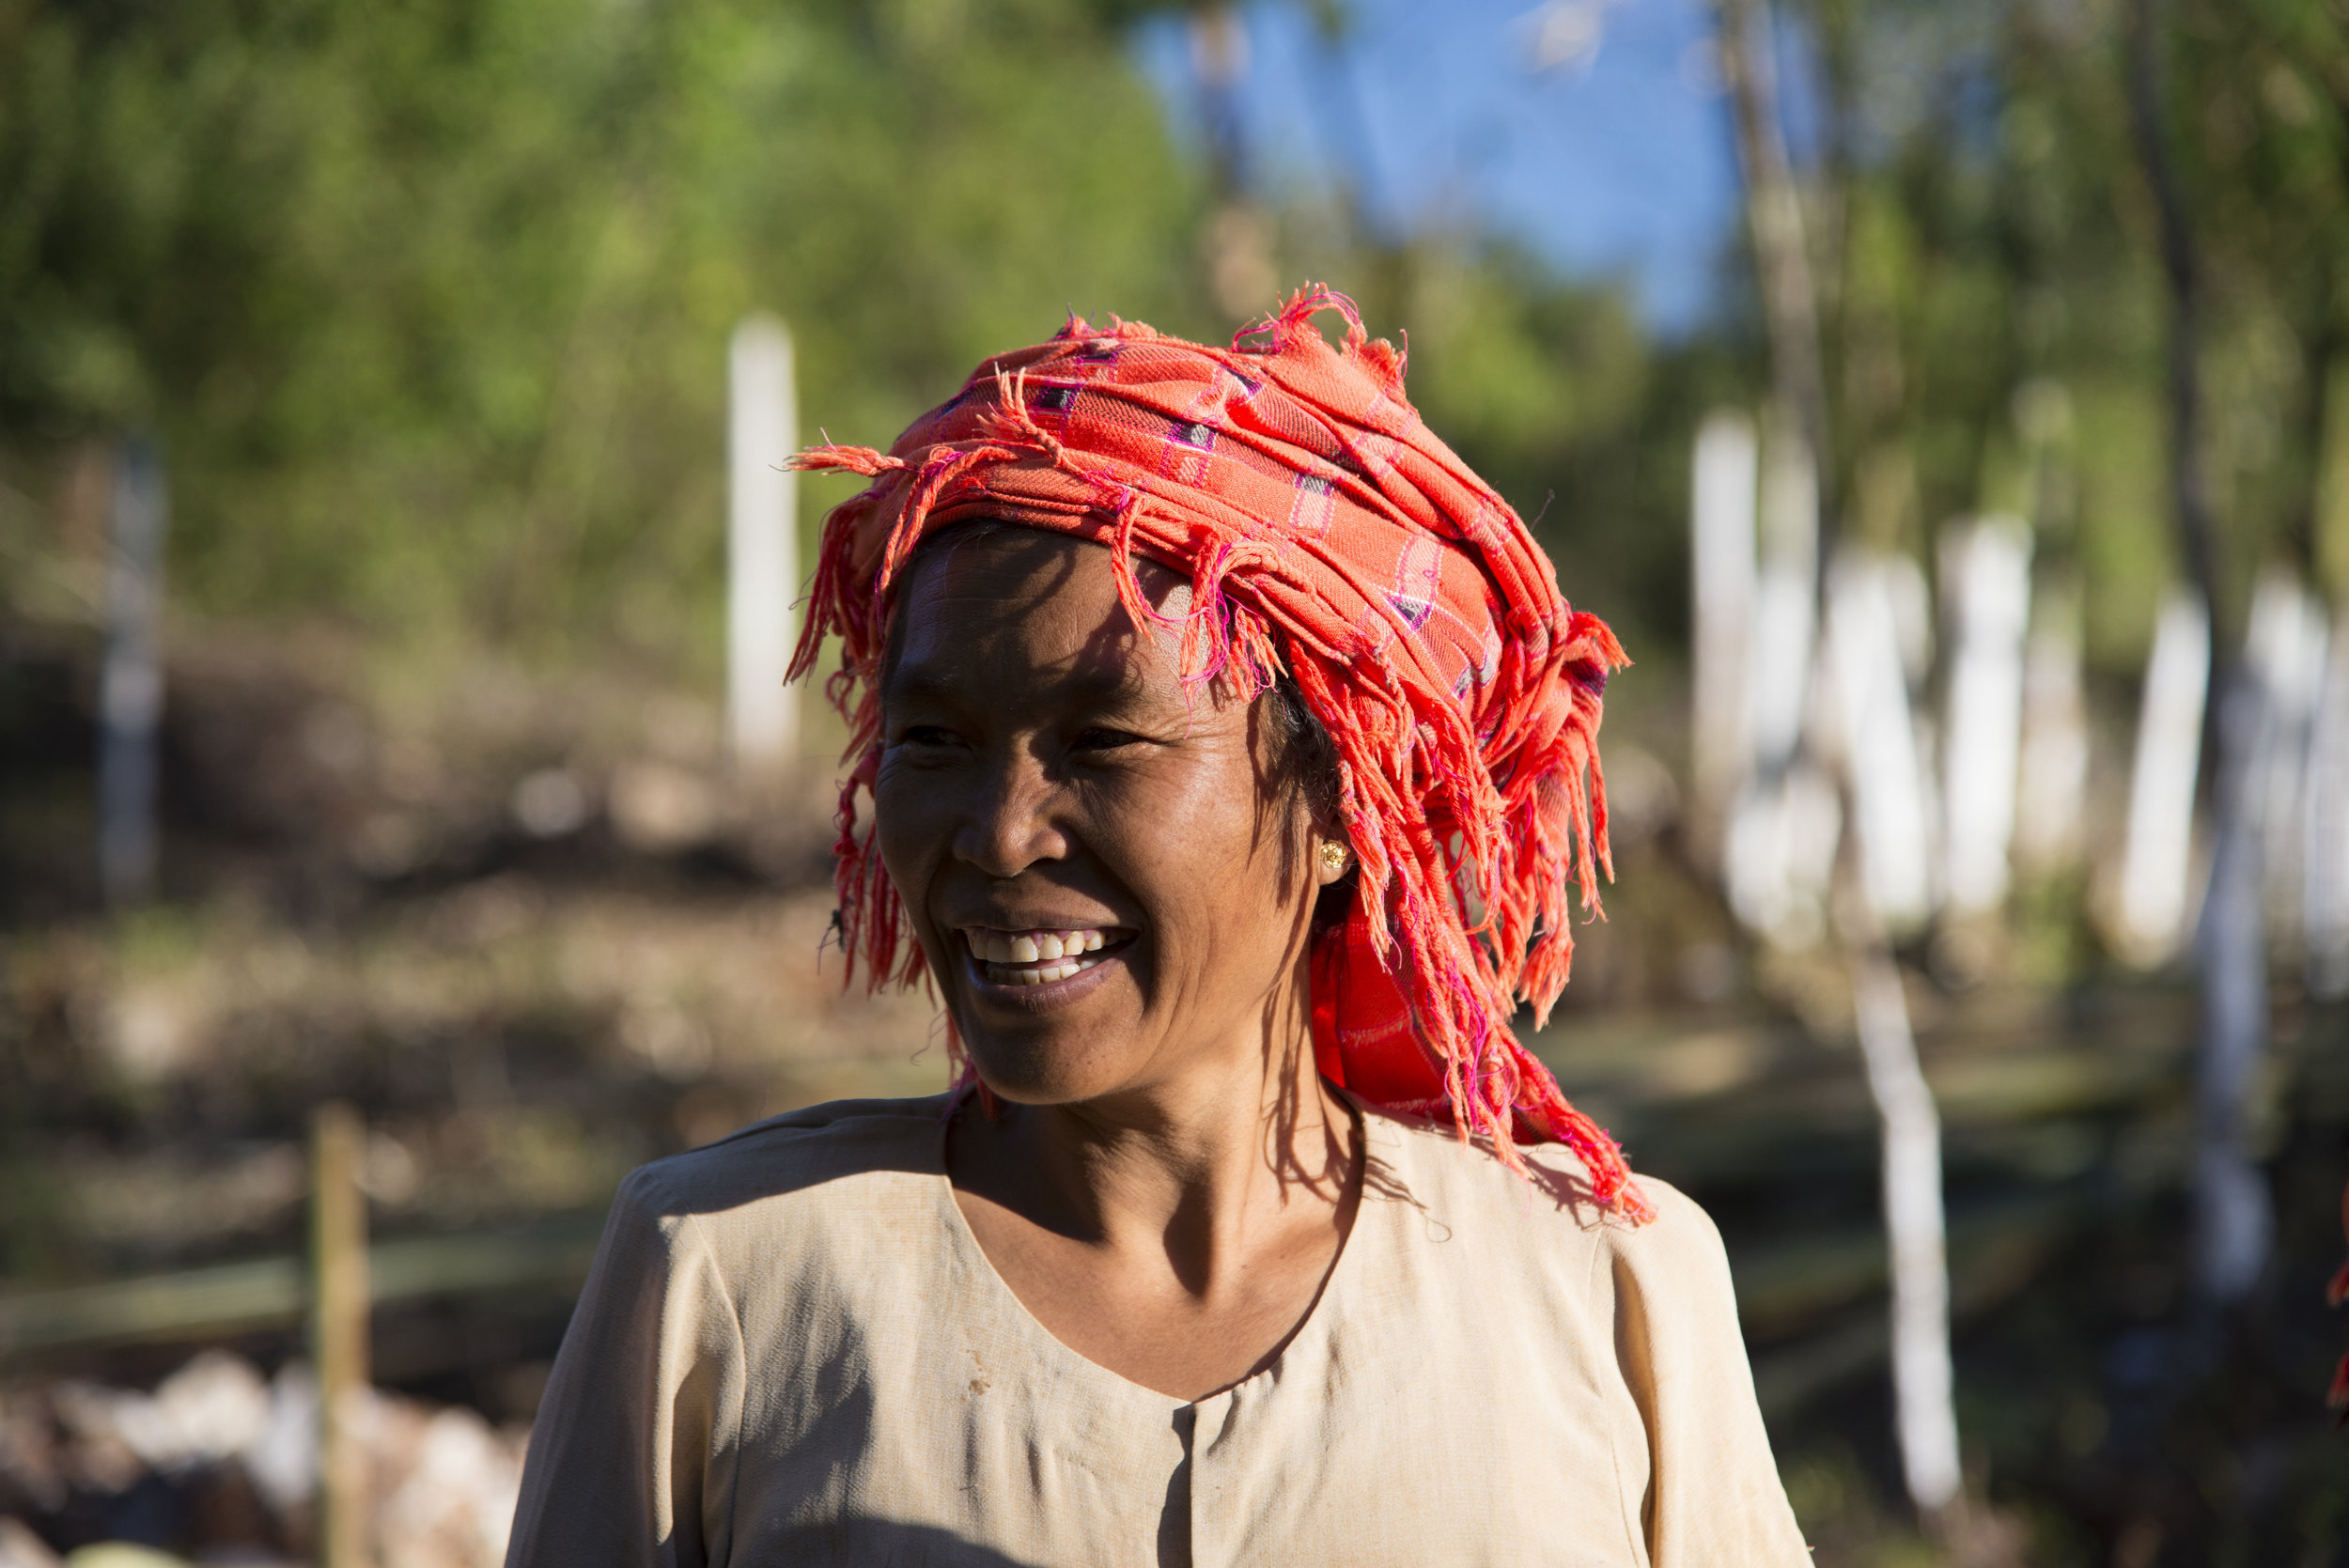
point(1714, 1498)
point(632, 1457)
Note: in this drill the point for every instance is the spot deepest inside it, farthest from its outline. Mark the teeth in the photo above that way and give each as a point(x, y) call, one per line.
point(1042, 974)
point(1034, 957)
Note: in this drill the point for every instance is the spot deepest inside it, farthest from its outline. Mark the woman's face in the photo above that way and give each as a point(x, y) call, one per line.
point(1109, 886)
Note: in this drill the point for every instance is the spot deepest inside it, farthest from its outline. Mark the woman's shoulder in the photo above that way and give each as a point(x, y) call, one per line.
point(1549, 1210)
point(843, 1154)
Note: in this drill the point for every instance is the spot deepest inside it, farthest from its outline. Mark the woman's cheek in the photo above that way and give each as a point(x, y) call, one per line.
point(904, 832)
point(1199, 850)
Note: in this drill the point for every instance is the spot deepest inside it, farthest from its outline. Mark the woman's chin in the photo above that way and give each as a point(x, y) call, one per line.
point(1050, 1067)
point(1040, 1043)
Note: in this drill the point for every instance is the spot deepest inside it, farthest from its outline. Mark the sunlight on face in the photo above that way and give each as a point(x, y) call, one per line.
point(1106, 881)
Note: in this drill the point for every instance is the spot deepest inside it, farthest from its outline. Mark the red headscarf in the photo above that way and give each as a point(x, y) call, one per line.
point(1325, 532)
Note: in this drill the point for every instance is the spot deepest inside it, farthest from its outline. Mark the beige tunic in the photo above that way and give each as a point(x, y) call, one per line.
point(793, 1351)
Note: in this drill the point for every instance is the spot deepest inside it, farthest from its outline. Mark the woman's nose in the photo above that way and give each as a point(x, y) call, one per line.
point(1011, 823)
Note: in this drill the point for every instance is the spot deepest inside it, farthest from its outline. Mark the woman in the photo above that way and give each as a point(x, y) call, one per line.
point(1225, 742)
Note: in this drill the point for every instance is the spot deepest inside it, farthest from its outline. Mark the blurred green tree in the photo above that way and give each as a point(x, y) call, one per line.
point(430, 300)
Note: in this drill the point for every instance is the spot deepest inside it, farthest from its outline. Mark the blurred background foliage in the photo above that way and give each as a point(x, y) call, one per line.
point(429, 303)
point(426, 300)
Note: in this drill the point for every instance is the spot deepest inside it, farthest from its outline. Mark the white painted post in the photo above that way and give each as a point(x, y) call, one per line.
point(2286, 645)
point(2054, 783)
point(1772, 885)
point(1888, 788)
point(1892, 815)
point(2235, 1215)
point(2325, 888)
point(1779, 852)
point(131, 685)
point(2156, 860)
point(1985, 573)
point(1721, 563)
point(762, 543)
point(1924, 1414)
point(1786, 596)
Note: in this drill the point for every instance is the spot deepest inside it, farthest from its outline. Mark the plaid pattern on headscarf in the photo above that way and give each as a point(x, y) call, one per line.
point(1327, 532)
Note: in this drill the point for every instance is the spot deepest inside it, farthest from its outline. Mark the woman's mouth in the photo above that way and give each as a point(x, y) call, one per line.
point(1039, 958)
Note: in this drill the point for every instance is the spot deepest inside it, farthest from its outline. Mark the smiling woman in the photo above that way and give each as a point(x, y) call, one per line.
point(1045, 777)
point(1229, 753)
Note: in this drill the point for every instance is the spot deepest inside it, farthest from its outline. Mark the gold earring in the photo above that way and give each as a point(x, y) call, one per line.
point(1334, 858)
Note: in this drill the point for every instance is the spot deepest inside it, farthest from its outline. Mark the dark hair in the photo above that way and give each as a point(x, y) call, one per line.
point(1304, 758)
point(1305, 766)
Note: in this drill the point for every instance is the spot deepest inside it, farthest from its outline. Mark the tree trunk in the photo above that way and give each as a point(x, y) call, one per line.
point(1790, 298)
point(339, 1303)
point(131, 685)
point(2233, 1213)
point(1910, 1128)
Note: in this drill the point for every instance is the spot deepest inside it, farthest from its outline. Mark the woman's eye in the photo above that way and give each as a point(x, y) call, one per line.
point(925, 735)
point(1100, 737)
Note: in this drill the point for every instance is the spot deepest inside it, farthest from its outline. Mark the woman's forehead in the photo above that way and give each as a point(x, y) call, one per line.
point(1012, 599)
point(1034, 562)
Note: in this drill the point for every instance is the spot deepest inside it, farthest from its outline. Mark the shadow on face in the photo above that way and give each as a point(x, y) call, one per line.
point(1105, 869)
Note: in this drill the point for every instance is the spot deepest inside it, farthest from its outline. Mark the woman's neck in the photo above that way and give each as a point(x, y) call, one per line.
point(1190, 1172)
point(1179, 1230)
